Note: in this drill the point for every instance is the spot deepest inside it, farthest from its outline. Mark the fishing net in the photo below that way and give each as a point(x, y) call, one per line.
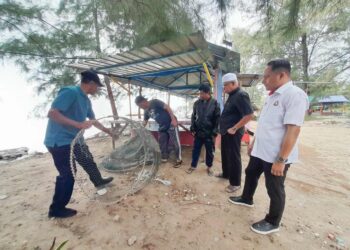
point(131, 157)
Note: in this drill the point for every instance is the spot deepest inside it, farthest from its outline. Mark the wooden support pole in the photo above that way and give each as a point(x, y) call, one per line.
point(111, 97)
point(129, 92)
point(121, 85)
point(139, 110)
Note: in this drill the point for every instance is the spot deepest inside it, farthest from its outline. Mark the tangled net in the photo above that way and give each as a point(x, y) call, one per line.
point(131, 157)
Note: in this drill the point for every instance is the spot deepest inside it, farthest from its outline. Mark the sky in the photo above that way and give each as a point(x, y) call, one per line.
point(18, 127)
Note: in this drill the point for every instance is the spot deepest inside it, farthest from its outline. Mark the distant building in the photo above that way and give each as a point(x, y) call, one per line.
point(329, 105)
point(333, 99)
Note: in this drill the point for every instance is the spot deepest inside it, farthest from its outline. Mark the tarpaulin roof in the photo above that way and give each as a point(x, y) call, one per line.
point(333, 99)
point(174, 65)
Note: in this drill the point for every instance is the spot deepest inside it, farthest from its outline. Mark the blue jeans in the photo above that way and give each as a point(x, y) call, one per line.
point(209, 148)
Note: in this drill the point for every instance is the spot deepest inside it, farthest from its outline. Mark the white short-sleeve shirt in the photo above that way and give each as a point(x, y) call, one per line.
point(287, 105)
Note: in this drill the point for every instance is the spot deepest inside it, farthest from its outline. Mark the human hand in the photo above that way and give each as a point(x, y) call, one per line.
point(232, 131)
point(277, 168)
point(86, 124)
point(109, 131)
point(174, 122)
point(249, 149)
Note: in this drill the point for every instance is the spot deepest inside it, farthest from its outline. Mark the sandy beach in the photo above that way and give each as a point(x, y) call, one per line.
point(193, 212)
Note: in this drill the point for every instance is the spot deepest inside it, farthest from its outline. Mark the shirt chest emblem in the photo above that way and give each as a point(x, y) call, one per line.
point(276, 103)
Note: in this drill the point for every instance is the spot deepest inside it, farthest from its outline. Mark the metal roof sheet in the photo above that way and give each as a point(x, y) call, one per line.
point(333, 99)
point(174, 65)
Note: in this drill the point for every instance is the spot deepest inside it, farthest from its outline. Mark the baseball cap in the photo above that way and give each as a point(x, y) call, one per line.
point(229, 77)
point(90, 75)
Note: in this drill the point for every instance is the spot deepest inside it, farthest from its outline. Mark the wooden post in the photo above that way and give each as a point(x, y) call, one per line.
point(129, 92)
point(111, 97)
point(139, 110)
point(113, 106)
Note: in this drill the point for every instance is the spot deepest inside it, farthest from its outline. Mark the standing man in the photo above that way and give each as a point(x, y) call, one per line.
point(204, 127)
point(167, 122)
point(67, 117)
point(237, 113)
point(275, 145)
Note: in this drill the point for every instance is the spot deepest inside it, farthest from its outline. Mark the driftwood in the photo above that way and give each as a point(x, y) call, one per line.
point(11, 154)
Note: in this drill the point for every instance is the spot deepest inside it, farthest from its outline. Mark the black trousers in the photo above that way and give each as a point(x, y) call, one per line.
point(209, 150)
point(231, 158)
point(167, 137)
point(274, 185)
point(65, 179)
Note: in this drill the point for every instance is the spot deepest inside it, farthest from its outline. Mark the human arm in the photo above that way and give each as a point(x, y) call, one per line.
point(193, 119)
point(245, 119)
point(144, 123)
point(58, 117)
point(146, 117)
point(288, 143)
point(250, 146)
point(217, 113)
point(172, 116)
point(100, 126)
point(295, 106)
point(245, 109)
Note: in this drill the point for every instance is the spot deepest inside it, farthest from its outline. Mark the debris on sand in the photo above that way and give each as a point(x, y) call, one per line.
point(3, 196)
point(132, 240)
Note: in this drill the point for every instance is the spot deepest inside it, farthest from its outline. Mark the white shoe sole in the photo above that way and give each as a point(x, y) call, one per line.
point(264, 233)
point(240, 203)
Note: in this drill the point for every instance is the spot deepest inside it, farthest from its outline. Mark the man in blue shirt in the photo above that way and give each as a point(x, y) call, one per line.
point(67, 117)
point(167, 122)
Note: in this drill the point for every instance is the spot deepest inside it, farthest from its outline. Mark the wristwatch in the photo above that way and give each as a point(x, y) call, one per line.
point(281, 160)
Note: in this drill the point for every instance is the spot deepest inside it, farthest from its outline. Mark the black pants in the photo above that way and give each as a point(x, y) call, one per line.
point(65, 179)
point(274, 185)
point(231, 158)
point(209, 150)
point(170, 136)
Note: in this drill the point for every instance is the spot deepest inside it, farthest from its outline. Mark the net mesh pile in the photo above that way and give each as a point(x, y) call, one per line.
point(131, 157)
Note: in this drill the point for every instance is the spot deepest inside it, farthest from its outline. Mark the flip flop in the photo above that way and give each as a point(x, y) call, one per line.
point(190, 170)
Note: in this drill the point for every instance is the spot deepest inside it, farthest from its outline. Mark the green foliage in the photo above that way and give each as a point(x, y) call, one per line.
point(312, 34)
point(42, 39)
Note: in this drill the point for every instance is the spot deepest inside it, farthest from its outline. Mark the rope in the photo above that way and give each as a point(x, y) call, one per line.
point(142, 174)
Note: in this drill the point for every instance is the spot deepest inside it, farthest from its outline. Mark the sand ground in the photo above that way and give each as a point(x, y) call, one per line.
point(192, 213)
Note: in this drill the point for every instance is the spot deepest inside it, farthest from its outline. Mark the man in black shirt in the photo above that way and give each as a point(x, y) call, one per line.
point(204, 127)
point(167, 122)
point(237, 112)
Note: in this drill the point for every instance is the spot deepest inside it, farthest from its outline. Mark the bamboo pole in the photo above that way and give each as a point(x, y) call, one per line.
point(208, 74)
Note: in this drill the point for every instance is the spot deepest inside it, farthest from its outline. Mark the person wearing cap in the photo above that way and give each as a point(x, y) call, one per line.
point(237, 113)
point(67, 116)
point(204, 127)
point(275, 146)
point(168, 126)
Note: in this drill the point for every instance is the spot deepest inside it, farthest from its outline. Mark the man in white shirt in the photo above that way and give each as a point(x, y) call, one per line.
point(275, 146)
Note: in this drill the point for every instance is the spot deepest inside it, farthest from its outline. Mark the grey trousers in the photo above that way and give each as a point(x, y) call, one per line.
point(167, 137)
